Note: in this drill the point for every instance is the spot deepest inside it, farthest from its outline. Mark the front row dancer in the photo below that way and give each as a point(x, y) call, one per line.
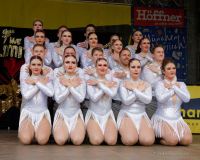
point(168, 124)
point(35, 121)
point(100, 120)
point(132, 122)
point(70, 91)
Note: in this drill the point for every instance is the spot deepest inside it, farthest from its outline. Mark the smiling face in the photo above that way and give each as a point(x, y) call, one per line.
point(170, 71)
point(92, 40)
point(137, 36)
point(39, 38)
point(36, 67)
point(66, 38)
point(117, 46)
point(102, 67)
point(145, 45)
point(135, 69)
point(158, 54)
point(125, 57)
point(70, 64)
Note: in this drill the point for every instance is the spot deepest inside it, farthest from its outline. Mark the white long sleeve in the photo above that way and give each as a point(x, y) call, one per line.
point(85, 61)
point(28, 91)
point(128, 97)
point(134, 100)
point(27, 55)
point(145, 96)
point(79, 92)
point(169, 101)
point(182, 92)
point(27, 43)
point(48, 56)
point(150, 77)
point(109, 91)
point(57, 59)
point(94, 93)
point(61, 92)
point(46, 88)
point(161, 94)
point(144, 60)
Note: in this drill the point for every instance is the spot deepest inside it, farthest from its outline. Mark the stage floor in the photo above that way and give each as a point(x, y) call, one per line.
point(11, 149)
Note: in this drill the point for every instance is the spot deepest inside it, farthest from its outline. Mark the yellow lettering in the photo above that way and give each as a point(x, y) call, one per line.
point(191, 113)
point(198, 113)
point(183, 112)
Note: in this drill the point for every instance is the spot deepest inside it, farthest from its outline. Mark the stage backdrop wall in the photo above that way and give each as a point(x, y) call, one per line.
point(21, 13)
point(164, 23)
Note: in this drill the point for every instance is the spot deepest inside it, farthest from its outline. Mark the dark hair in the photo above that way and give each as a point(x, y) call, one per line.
point(124, 49)
point(133, 59)
point(91, 34)
point(138, 50)
point(61, 43)
point(41, 31)
point(115, 34)
point(69, 47)
point(62, 26)
point(165, 62)
point(90, 25)
point(67, 56)
point(132, 42)
point(96, 49)
point(100, 59)
point(157, 46)
point(37, 20)
point(39, 45)
point(31, 59)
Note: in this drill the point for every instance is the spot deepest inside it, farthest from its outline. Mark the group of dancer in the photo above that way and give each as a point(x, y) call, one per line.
point(116, 84)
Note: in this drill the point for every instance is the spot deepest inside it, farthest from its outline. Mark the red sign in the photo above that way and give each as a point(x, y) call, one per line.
point(144, 16)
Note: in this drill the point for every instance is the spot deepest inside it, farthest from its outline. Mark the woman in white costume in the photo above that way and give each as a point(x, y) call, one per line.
point(168, 124)
point(29, 41)
point(86, 56)
point(107, 47)
point(100, 121)
point(133, 123)
point(58, 50)
point(60, 30)
point(135, 38)
point(39, 39)
point(96, 53)
point(35, 119)
point(70, 91)
point(143, 52)
point(113, 59)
